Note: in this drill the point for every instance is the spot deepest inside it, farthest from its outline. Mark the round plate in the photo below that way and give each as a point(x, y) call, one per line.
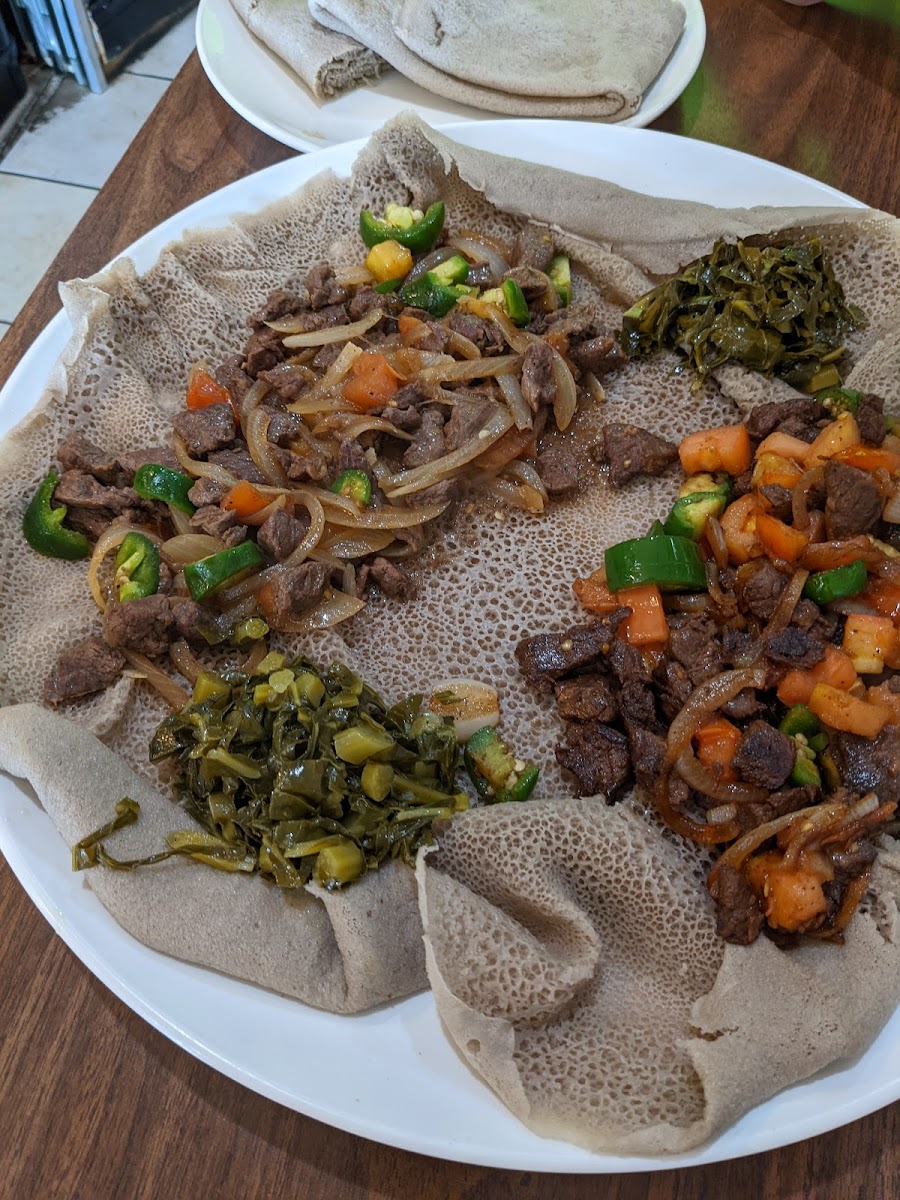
point(267, 93)
point(391, 1074)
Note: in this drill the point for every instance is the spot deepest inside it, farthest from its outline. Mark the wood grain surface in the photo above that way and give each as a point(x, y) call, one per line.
point(94, 1103)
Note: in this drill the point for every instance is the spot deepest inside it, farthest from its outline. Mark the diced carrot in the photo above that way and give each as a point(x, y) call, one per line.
point(774, 468)
point(785, 446)
point(647, 624)
point(884, 597)
point(871, 642)
point(840, 710)
point(203, 390)
point(837, 436)
point(836, 669)
point(372, 383)
point(739, 527)
point(594, 594)
point(717, 741)
point(410, 329)
point(869, 458)
point(780, 540)
point(512, 444)
point(244, 499)
point(726, 448)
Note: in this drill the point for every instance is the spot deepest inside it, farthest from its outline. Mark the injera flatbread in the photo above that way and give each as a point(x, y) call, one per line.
point(499, 578)
point(429, 45)
point(327, 62)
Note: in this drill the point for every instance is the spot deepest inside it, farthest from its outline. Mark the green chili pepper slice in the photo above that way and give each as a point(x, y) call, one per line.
point(155, 482)
point(354, 484)
point(430, 294)
point(43, 526)
point(137, 568)
point(825, 586)
point(839, 399)
point(674, 563)
point(494, 771)
point(389, 285)
point(418, 236)
point(207, 574)
point(799, 719)
point(452, 270)
point(516, 304)
point(560, 272)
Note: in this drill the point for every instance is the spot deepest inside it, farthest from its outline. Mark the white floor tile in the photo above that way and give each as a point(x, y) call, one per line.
point(168, 56)
point(82, 143)
point(36, 217)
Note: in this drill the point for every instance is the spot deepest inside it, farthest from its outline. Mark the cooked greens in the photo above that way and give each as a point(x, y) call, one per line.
point(775, 309)
point(299, 774)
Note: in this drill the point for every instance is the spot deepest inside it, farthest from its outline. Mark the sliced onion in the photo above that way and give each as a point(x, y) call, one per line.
point(722, 814)
point(311, 538)
point(481, 252)
point(200, 470)
point(344, 544)
point(191, 547)
point(175, 696)
point(594, 387)
point(329, 381)
point(294, 370)
point(517, 495)
point(738, 853)
point(430, 261)
point(185, 661)
point(526, 472)
point(110, 539)
point(408, 360)
point(335, 333)
point(417, 478)
point(366, 424)
point(180, 520)
point(463, 345)
point(705, 699)
point(787, 602)
point(516, 402)
point(255, 396)
point(256, 429)
point(566, 401)
point(518, 339)
point(800, 495)
point(389, 517)
point(481, 368)
point(701, 780)
point(716, 538)
point(823, 556)
point(353, 276)
point(337, 606)
point(468, 703)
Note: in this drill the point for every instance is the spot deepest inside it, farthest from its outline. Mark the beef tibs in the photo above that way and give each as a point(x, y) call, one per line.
point(731, 675)
point(87, 667)
point(630, 451)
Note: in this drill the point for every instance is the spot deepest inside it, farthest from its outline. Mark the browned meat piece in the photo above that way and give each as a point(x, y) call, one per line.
point(798, 428)
point(858, 857)
point(78, 488)
point(866, 765)
point(394, 581)
point(146, 625)
point(131, 460)
point(439, 493)
point(738, 915)
point(743, 706)
point(598, 758)
point(77, 453)
point(760, 590)
point(695, 642)
point(283, 426)
point(469, 414)
point(533, 247)
point(403, 408)
point(600, 355)
point(558, 469)
point(323, 288)
point(324, 318)
point(548, 656)
point(735, 644)
point(537, 375)
point(638, 705)
point(304, 460)
point(187, 615)
point(870, 419)
point(631, 450)
point(853, 501)
point(794, 647)
point(586, 698)
point(766, 418)
point(214, 520)
point(88, 667)
point(295, 590)
point(264, 350)
point(366, 299)
point(279, 304)
point(627, 662)
point(779, 500)
point(673, 687)
point(206, 491)
point(742, 484)
point(765, 756)
point(235, 535)
point(351, 456)
point(485, 334)
point(92, 522)
point(280, 534)
point(239, 462)
point(205, 429)
point(531, 280)
point(429, 443)
point(232, 376)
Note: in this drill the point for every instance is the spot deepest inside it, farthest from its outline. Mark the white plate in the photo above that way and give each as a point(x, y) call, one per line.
point(391, 1075)
point(267, 93)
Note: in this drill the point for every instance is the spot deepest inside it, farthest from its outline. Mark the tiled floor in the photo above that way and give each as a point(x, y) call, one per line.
point(49, 176)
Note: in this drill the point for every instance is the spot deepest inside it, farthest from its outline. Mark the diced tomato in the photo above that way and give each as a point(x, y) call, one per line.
point(791, 894)
point(775, 469)
point(841, 710)
point(203, 390)
point(785, 446)
point(836, 669)
point(869, 458)
point(717, 741)
point(594, 594)
point(726, 448)
point(513, 444)
point(780, 540)
point(245, 500)
point(373, 381)
point(836, 437)
point(739, 527)
point(647, 624)
point(871, 642)
point(884, 597)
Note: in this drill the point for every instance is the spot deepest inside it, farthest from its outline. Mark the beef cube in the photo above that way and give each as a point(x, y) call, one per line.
point(538, 386)
point(639, 706)
point(393, 581)
point(295, 590)
point(766, 418)
point(146, 625)
point(600, 355)
point(485, 334)
point(870, 419)
point(765, 756)
point(206, 492)
point(695, 642)
point(188, 616)
point(853, 501)
point(743, 706)
point(673, 688)
point(213, 520)
point(239, 462)
point(443, 492)
point(869, 765)
point(627, 662)
point(429, 444)
point(793, 647)
point(206, 429)
point(78, 488)
point(631, 450)
point(469, 415)
point(280, 534)
point(264, 350)
point(322, 287)
point(88, 667)
point(738, 915)
point(598, 758)
point(548, 656)
point(761, 590)
point(78, 453)
point(367, 299)
point(231, 375)
point(279, 304)
point(558, 469)
point(586, 698)
point(533, 247)
point(779, 500)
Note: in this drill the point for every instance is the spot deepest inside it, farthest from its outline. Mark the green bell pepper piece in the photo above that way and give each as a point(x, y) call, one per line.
point(516, 304)
point(497, 776)
point(452, 270)
point(825, 586)
point(155, 482)
point(799, 719)
point(560, 272)
point(417, 236)
point(43, 526)
point(430, 294)
point(137, 568)
point(389, 285)
point(207, 574)
point(700, 497)
point(674, 563)
point(354, 484)
point(805, 771)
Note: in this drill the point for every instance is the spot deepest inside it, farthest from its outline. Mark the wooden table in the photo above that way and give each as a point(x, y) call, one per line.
point(94, 1104)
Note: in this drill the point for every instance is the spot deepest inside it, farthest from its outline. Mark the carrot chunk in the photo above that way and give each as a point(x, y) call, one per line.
point(372, 383)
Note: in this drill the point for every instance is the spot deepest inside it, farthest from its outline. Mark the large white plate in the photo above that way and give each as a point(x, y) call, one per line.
point(267, 93)
point(391, 1075)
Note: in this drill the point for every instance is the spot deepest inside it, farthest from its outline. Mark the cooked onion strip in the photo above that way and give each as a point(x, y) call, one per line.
point(185, 660)
point(337, 606)
point(517, 339)
point(256, 429)
point(480, 252)
point(326, 337)
point(190, 547)
point(351, 276)
point(594, 387)
point(694, 773)
point(388, 517)
point(787, 602)
point(463, 345)
point(326, 385)
point(480, 368)
point(174, 696)
point(431, 260)
point(346, 545)
point(311, 538)
point(417, 478)
point(200, 470)
point(255, 396)
point(566, 401)
point(705, 699)
point(515, 401)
